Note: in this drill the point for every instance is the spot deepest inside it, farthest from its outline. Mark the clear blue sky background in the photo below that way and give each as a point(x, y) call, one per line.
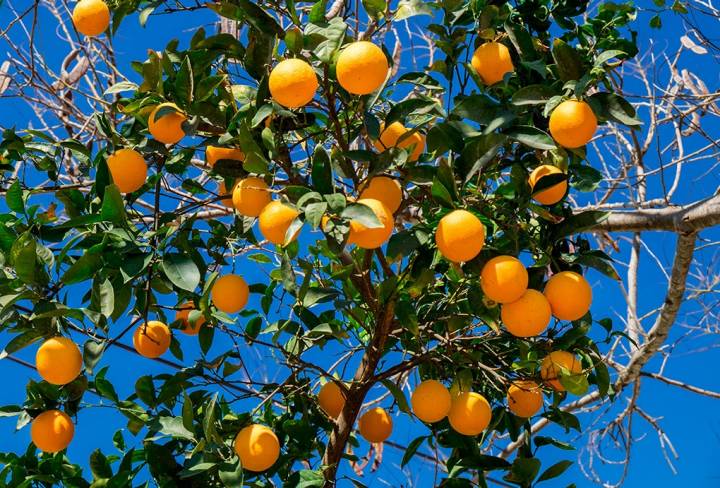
point(691, 422)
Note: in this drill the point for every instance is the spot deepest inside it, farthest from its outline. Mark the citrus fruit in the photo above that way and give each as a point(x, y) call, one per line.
point(391, 135)
point(491, 61)
point(553, 194)
point(128, 170)
point(556, 364)
point(213, 154)
point(361, 68)
point(222, 191)
point(431, 401)
point(504, 279)
point(572, 124)
point(250, 196)
point(460, 236)
point(527, 316)
point(372, 237)
point(168, 128)
point(151, 340)
point(384, 189)
point(275, 220)
point(569, 294)
point(258, 447)
point(292, 83)
point(469, 414)
point(524, 398)
point(91, 17)
point(230, 293)
point(52, 431)
point(189, 327)
point(58, 360)
point(331, 399)
point(375, 425)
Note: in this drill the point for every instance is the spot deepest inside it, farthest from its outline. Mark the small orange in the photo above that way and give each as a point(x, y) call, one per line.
point(552, 195)
point(293, 83)
point(91, 17)
point(189, 327)
point(385, 189)
point(504, 279)
point(58, 361)
point(128, 170)
point(151, 340)
point(470, 413)
point(392, 135)
point(431, 401)
point(257, 447)
point(230, 293)
point(492, 61)
point(527, 316)
point(250, 196)
point(331, 399)
point(375, 425)
point(460, 236)
point(552, 366)
point(573, 124)
point(361, 68)
point(168, 128)
point(275, 220)
point(213, 154)
point(569, 294)
point(52, 431)
point(372, 237)
point(524, 398)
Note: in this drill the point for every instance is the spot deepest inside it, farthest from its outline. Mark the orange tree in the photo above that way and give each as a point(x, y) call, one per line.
point(410, 228)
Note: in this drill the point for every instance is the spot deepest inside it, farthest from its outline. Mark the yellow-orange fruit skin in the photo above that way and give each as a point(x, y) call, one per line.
point(58, 360)
point(375, 425)
point(188, 327)
point(275, 220)
point(431, 401)
point(572, 124)
point(230, 293)
point(460, 236)
point(250, 196)
point(151, 340)
point(372, 237)
point(361, 68)
point(222, 191)
point(213, 154)
point(552, 365)
point(524, 398)
point(391, 135)
point(569, 294)
point(52, 431)
point(128, 170)
point(384, 189)
point(292, 83)
point(492, 61)
point(504, 279)
point(258, 447)
point(91, 17)
point(331, 399)
point(552, 195)
point(168, 128)
point(528, 316)
point(470, 413)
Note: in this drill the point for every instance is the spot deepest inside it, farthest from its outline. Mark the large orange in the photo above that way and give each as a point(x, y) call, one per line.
point(275, 220)
point(52, 431)
point(213, 154)
point(230, 293)
point(431, 401)
point(504, 279)
point(460, 236)
point(524, 398)
point(331, 399)
point(189, 327)
point(552, 195)
point(569, 294)
point(372, 237)
point(527, 316)
point(385, 189)
point(250, 196)
point(293, 83)
point(151, 340)
point(491, 61)
point(361, 68)
point(556, 364)
point(470, 413)
point(258, 447)
point(573, 124)
point(168, 128)
point(128, 170)
point(375, 425)
point(391, 136)
point(58, 360)
point(91, 17)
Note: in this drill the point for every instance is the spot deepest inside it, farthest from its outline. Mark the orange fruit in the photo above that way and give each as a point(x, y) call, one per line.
point(275, 220)
point(384, 189)
point(257, 447)
point(491, 61)
point(189, 327)
point(58, 360)
point(293, 83)
point(230, 293)
point(168, 128)
point(572, 124)
point(222, 191)
point(390, 137)
point(372, 237)
point(375, 425)
point(470, 413)
point(128, 170)
point(361, 68)
point(527, 316)
point(91, 17)
point(569, 294)
point(52, 431)
point(504, 279)
point(213, 154)
point(460, 236)
point(250, 196)
point(431, 401)
point(552, 366)
point(331, 399)
point(151, 340)
point(552, 195)
point(524, 398)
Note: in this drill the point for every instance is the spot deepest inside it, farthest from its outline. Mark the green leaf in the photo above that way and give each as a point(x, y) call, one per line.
point(14, 198)
point(184, 82)
point(549, 441)
point(174, 427)
point(181, 270)
point(332, 33)
point(580, 222)
point(398, 395)
point(82, 269)
point(568, 61)
point(231, 474)
point(656, 22)
point(531, 136)
point(23, 256)
point(99, 465)
point(103, 297)
point(555, 470)
point(523, 470)
point(92, 352)
point(374, 8)
point(145, 390)
point(412, 8)
point(412, 449)
point(532, 95)
point(322, 171)
point(122, 86)
point(362, 214)
point(113, 207)
point(577, 384)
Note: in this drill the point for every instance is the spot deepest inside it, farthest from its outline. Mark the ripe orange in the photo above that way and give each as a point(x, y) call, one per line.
point(213, 154)
point(293, 83)
point(275, 220)
point(372, 237)
point(91, 17)
point(460, 236)
point(189, 327)
point(58, 360)
point(375, 425)
point(555, 193)
point(250, 196)
point(524, 398)
point(390, 135)
point(572, 124)
point(331, 399)
point(504, 279)
point(361, 68)
point(551, 368)
point(257, 447)
point(52, 431)
point(491, 61)
point(151, 340)
point(222, 191)
point(470, 413)
point(128, 170)
point(569, 294)
point(431, 401)
point(527, 316)
point(168, 128)
point(230, 293)
point(386, 190)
